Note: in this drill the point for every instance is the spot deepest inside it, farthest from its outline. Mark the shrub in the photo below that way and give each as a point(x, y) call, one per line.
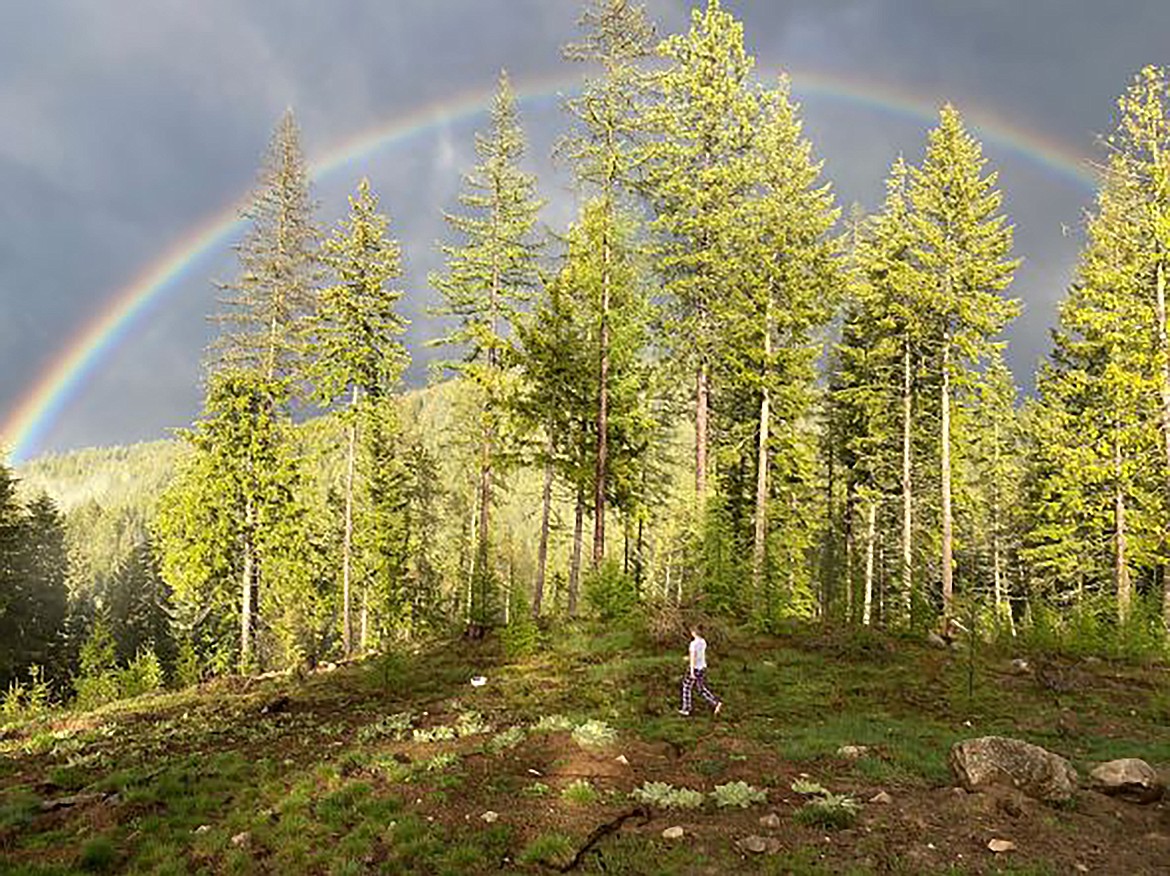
point(521, 637)
point(144, 674)
point(97, 682)
point(438, 733)
point(393, 726)
point(188, 669)
point(833, 811)
point(610, 592)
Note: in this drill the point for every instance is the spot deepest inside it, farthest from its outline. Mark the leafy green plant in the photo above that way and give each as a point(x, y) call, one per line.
point(610, 592)
point(144, 674)
point(738, 794)
point(832, 811)
point(441, 761)
point(537, 789)
point(438, 733)
point(807, 786)
point(594, 734)
point(393, 726)
point(667, 796)
point(580, 792)
point(552, 724)
point(471, 724)
point(509, 738)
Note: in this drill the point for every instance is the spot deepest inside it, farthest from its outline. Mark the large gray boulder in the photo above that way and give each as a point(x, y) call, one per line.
point(996, 760)
point(1128, 778)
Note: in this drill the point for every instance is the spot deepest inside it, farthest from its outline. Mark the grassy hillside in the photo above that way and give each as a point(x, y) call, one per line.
point(393, 765)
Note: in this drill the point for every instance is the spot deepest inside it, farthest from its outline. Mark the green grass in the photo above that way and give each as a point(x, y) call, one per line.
point(338, 781)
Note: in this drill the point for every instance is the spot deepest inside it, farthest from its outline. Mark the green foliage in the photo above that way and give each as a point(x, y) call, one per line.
point(830, 811)
point(506, 739)
point(97, 682)
point(552, 724)
point(98, 855)
point(392, 726)
point(610, 592)
point(521, 637)
point(738, 794)
point(188, 666)
point(579, 792)
point(438, 733)
point(667, 796)
point(594, 734)
point(143, 675)
point(471, 724)
point(550, 849)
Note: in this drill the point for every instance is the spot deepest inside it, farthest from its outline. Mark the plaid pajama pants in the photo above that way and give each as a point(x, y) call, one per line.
point(700, 681)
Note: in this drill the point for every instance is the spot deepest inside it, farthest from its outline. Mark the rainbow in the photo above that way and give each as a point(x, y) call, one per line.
point(30, 419)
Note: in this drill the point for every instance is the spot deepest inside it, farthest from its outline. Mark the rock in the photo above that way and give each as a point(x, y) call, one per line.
point(771, 820)
point(622, 759)
point(490, 817)
point(881, 797)
point(1001, 845)
point(853, 752)
point(241, 839)
point(673, 833)
point(753, 843)
point(1128, 778)
point(996, 760)
point(1020, 666)
point(203, 828)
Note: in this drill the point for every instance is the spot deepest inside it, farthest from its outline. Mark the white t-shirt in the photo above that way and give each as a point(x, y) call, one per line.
point(699, 653)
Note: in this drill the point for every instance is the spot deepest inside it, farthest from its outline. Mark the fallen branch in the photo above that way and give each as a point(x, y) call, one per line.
point(605, 830)
point(75, 800)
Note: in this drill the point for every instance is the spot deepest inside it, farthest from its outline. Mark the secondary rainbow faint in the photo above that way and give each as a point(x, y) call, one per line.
point(32, 417)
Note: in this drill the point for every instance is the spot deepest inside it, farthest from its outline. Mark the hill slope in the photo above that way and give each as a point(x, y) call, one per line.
point(390, 766)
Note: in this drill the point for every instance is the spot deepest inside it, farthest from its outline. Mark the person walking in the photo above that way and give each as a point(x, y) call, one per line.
point(696, 676)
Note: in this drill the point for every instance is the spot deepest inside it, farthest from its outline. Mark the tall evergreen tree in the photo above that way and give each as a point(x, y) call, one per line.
point(701, 124)
point(488, 277)
point(961, 254)
point(618, 37)
point(356, 351)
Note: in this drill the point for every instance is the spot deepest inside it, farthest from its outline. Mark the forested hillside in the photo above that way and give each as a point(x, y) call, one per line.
point(716, 388)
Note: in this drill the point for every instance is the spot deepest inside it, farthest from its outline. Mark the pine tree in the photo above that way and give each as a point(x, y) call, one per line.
point(265, 308)
point(138, 605)
point(487, 280)
point(356, 352)
point(783, 285)
point(701, 125)
point(961, 256)
point(618, 37)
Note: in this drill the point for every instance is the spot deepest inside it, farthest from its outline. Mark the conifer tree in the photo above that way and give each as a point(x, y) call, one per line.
point(356, 353)
point(489, 275)
point(961, 254)
point(701, 123)
point(618, 37)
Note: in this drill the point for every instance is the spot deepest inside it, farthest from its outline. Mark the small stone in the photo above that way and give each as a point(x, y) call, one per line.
point(490, 817)
point(621, 758)
point(203, 828)
point(1001, 845)
point(241, 839)
point(853, 752)
point(754, 843)
point(673, 833)
point(1020, 665)
point(770, 820)
point(772, 845)
point(881, 797)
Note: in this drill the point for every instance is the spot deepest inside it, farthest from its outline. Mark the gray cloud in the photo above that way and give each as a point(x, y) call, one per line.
point(124, 125)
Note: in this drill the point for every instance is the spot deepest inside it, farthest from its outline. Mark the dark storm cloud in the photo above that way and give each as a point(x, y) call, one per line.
point(123, 125)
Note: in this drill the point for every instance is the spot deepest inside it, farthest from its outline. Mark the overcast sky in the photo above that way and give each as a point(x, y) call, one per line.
point(126, 124)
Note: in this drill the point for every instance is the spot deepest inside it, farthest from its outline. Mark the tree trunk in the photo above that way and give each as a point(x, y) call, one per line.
point(247, 587)
point(701, 392)
point(479, 607)
point(575, 566)
point(907, 488)
point(602, 413)
point(947, 570)
point(870, 542)
point(1121, 580)
point(542, 553)
point(850, 503)
point(760, 541)
point(347, 540)
point(1164, 390)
